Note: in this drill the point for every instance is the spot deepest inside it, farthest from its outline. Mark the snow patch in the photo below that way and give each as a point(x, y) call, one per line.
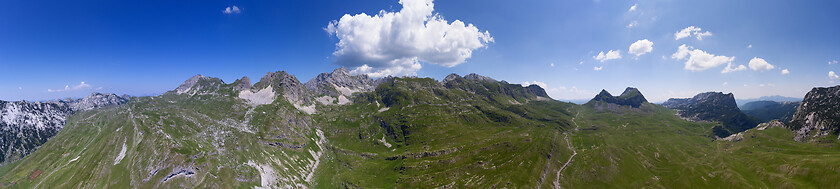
point(384, 109)
point(74, 159)
point(264, 96)
point(122, 154)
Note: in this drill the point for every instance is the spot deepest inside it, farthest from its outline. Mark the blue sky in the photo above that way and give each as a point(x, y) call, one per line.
point(47, 49)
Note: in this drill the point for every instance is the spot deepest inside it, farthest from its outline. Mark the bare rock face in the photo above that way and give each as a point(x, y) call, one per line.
point(340, 83)
point(286, 85)
point(97, 100)
point(818, 114)
point(242, 84)
point(200, 85)
point(714, 107)
point(474, 76)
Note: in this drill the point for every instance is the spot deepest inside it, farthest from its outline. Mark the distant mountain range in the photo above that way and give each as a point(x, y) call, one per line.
point(774, 98)
point(770, 110)
point(350, 131)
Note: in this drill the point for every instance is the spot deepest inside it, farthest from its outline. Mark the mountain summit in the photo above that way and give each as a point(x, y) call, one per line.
point(818, 114)
point(630, 97)
point(714, 107)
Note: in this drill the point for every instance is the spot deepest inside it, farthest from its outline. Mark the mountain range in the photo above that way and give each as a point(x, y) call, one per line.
point(343, 131)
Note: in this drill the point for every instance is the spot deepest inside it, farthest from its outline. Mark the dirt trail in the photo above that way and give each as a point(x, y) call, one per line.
point(574, 153)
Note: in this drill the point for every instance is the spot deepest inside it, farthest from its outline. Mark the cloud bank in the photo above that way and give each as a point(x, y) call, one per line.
point(394, 43)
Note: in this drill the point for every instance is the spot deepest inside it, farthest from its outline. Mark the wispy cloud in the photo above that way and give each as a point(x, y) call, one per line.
point(599, 68)
point(633, 8)
point(232, 10)
point(80, 86)
point(692, 30)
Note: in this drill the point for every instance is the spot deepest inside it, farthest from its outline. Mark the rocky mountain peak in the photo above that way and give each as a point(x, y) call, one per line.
point(189, 83)
point(199, 84)
point(97, 100)
point(714, 107)
point(340, 83)
point(818, 114)
point(474, 76)
point(289, 86)
point(449, 78)
point(630, 97)
point(242, 84)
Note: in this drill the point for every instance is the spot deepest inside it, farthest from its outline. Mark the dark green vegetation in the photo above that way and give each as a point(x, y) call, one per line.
point(714, 107)
point(465, 132)
point(770, 110)
point(630, 97)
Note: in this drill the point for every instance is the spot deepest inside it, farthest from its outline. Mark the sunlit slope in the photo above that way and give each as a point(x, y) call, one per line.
point(412, 133)
point(177, 141)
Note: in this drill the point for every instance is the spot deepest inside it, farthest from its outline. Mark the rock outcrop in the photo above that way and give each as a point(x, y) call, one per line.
point(818, 114)
point(713, 107)
point(340, 83)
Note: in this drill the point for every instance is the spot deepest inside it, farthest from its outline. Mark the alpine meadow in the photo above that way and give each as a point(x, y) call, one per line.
point(419, 94)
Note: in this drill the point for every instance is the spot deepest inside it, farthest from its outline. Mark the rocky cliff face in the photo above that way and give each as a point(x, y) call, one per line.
point(27, 125)
point(340, 83)
point(287, 85)
point(713, 107)
point(630, 97)
point(818, 114)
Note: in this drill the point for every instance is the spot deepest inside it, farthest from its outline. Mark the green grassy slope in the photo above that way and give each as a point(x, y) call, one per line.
point(413, 133)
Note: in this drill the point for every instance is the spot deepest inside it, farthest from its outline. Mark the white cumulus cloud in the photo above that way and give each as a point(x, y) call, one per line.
point(232, 10)
point(641, 47)
point(692, 30)
point(610, 55)
point(759, 64)
point(699, 60)
point(599, 68)
point(729, 68)
point(632, 8)
point(785, 72)
point(832, 75)
point(394, 43)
